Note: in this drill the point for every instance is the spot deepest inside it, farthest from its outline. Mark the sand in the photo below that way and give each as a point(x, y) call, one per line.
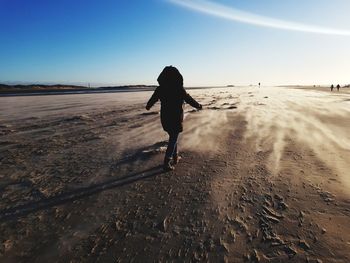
point(264, 178)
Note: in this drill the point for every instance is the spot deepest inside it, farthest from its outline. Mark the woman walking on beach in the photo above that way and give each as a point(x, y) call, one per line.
point(172, 95)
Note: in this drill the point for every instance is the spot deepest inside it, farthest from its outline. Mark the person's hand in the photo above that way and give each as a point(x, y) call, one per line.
point(148, 107)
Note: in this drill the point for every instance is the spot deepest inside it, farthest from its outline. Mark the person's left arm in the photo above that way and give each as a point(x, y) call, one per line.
point(188, 99)
point(153, 99)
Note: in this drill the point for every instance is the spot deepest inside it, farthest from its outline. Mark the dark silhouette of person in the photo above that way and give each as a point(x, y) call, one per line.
point(172, 96)
point(332, 87)
point(338, 87)
point(259, 84)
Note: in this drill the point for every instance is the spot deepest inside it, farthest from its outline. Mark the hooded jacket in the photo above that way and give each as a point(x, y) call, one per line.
point(172, 96)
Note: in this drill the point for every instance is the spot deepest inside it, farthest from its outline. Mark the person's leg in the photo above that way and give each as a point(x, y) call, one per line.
point(172, 145)
point(176, 157)
point(170, 150)
point(175, 150)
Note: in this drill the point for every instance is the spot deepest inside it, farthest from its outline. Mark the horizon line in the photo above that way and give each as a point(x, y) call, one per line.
point(111, 85)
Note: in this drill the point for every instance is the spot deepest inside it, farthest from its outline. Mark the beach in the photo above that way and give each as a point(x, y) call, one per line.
point(264, 177)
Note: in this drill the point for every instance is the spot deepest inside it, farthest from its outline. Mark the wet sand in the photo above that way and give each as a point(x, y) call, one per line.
point(264, 178)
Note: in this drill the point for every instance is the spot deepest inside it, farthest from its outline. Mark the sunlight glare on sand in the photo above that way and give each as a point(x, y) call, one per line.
point(317, 119)
point(276, 117)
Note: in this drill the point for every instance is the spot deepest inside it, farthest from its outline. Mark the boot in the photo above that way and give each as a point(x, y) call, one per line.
point(167, 164)
point(176, 158)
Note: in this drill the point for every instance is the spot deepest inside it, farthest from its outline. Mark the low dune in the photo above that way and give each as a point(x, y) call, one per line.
point(264, 178)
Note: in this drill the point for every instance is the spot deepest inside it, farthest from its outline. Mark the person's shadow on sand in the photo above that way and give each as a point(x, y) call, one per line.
point(142, 154)
point(22, 210)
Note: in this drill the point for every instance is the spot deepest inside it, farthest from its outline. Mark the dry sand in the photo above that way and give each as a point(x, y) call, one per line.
point(265, 177)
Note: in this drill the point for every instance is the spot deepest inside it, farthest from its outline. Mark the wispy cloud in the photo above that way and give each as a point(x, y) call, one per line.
point(229, 13)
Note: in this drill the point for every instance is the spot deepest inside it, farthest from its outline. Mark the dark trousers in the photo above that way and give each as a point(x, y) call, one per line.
point(172, 145)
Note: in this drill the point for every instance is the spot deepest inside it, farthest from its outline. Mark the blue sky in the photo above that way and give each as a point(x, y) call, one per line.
point(129, 42)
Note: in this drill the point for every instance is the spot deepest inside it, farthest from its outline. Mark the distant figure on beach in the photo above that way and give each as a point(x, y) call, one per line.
point(338, 87)
point(172, 95)
point(259, 84)
point(332, 87)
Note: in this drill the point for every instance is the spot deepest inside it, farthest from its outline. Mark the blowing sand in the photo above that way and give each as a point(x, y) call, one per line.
point(265, 177)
